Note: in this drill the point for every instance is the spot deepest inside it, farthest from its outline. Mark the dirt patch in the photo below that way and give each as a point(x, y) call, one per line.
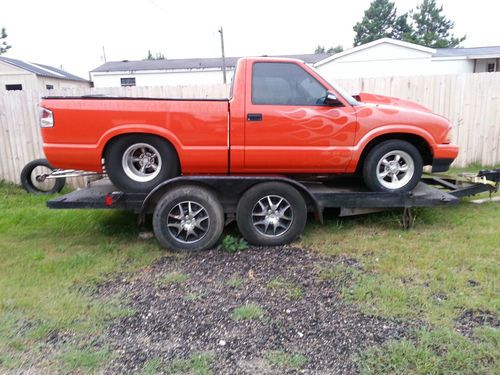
point(476, 318)
point(187, 305)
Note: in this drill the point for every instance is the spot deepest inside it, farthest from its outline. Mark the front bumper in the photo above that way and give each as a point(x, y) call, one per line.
point(441, 165)
point(444, 155)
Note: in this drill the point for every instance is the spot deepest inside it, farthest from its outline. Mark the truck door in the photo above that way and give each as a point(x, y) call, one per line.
point(288, 128)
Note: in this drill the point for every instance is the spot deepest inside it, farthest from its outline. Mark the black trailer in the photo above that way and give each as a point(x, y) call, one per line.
point(190, 212)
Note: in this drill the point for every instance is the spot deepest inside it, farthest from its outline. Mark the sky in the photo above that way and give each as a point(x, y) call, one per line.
point(72, 33)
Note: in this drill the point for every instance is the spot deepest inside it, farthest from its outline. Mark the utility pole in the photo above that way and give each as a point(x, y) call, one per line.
point(104, 53)
point(223, 55)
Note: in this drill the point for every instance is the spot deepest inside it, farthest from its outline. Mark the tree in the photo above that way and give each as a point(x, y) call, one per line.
point(379, 21)
point(432, 28)
point(156, 56)
point(321, 49)
point(3, 43)
point(337, 49)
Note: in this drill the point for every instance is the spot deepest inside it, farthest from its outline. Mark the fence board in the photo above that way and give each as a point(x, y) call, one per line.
point(470, 101)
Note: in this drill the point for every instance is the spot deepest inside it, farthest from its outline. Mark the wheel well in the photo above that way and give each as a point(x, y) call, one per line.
point(119, 136)
point(420, 143)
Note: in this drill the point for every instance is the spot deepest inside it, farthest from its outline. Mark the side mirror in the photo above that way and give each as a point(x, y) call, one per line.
point(332, 100)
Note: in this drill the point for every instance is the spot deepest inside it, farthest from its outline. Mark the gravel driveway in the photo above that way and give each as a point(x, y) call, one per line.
point(293, 318)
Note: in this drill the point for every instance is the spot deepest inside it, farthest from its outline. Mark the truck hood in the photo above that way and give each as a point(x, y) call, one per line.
point(390, 101)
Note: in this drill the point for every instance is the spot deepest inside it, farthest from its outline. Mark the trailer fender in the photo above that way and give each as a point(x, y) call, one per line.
point(226, 186)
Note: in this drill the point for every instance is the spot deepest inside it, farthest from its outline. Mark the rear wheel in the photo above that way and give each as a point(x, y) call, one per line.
point(271, 213)
point(140, 162)
point(190, 218)
point(393, 166)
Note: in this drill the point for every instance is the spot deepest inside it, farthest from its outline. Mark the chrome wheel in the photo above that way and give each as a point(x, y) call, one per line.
point(395, 169)
point(141, 162)
point(272, 215)
point(188, 222)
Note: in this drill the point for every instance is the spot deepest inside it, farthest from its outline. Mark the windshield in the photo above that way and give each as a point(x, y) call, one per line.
point(348, 98)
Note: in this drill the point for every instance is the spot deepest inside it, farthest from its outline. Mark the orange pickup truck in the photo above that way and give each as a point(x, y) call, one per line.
point(282, 118)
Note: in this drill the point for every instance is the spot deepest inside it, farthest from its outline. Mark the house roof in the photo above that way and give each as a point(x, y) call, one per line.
point(42, 70)
point(474, 52)
point(374, 43)
point(199, 63)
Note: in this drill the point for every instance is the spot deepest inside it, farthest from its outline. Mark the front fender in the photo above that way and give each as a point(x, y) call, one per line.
point(392, 130)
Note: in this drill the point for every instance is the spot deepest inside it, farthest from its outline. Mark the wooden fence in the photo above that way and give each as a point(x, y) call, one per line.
point(470, 101)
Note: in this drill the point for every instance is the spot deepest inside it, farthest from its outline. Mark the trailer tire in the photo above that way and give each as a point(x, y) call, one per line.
point(393, 166)
point(29, 182)
point(271, 214)
point(124, 157)
point(188, 218)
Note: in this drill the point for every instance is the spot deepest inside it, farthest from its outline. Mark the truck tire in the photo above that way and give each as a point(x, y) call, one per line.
point(393, 166)
point(271, 214)
point(32, 183)
point(188, 218)
point(140, 162)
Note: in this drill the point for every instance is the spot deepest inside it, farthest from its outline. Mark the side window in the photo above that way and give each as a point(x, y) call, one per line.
point(285, 84)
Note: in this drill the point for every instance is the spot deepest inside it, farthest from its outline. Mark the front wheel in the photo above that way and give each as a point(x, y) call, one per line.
point(393, 166)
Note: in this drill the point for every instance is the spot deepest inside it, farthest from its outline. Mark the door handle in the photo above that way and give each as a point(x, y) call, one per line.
point(254, 117)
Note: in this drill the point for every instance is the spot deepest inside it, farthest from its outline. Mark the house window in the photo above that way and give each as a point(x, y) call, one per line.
point(127, 81)
point(491, 67)
point(49, 87)
point(14, 87)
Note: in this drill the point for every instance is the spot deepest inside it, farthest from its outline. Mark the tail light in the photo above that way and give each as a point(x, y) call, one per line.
point(46, 118)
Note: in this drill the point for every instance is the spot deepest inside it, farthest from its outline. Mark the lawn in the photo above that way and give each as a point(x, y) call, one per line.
point(442, 275)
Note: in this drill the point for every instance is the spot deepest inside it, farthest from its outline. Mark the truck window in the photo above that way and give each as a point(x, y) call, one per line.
point(285, 84)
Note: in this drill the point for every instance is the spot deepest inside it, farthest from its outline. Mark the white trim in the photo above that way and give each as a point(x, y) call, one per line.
point(165, 71)
point(375, 43)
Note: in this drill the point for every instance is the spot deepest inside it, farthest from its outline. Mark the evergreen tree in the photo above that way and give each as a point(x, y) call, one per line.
point(321, 49)
point(379, 21)
point(337, 49)
point(3, 43)
point(432, 28)
point(156, 56)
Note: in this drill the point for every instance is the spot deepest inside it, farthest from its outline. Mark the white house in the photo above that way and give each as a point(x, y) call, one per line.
point(173, 71)
point(21, 75)
point(389, 57)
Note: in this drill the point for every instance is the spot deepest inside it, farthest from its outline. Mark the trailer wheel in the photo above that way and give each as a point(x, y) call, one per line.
point(393, 166)
point(271, 213)
point(188, 218)
point(33, 178)
point(140, 162)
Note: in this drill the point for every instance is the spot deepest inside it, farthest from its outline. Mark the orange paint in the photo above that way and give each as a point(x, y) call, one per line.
point(215, 136)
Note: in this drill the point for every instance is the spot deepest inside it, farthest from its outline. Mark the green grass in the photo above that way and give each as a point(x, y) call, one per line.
point(447, 264)
point(174, 277)
point(235, 281)
point(285, 288)
point(151, 367)
point(436, 352)
point(87, 360)
point(49, 261)
point(247, 312)
point(286, 360)
point(197, 364)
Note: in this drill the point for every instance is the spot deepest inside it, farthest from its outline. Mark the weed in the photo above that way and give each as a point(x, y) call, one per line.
point(247, 312)
point(234, 244)
point(198, 364)
point(285, 287)
point(174, 277)
point(282, 359)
